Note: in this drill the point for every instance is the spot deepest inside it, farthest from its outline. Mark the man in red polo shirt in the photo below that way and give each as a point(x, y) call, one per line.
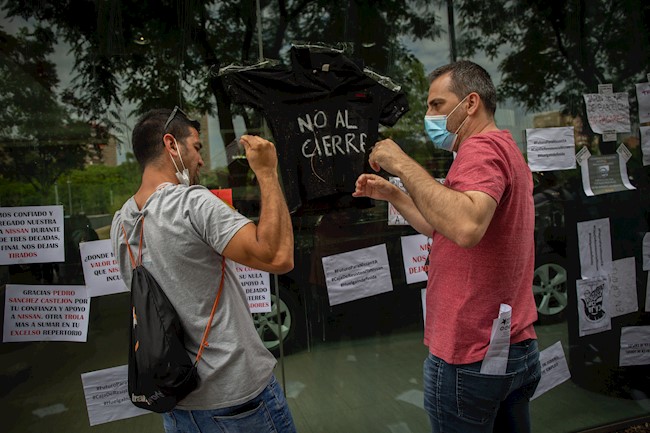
point(482, 256)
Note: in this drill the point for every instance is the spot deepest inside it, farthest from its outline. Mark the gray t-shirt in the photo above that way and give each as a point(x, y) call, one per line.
point(185, 230)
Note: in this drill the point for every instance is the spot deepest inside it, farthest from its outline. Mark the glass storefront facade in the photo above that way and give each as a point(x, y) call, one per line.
point(77, 75)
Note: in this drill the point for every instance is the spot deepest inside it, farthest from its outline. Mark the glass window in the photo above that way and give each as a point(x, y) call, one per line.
point(76, 77)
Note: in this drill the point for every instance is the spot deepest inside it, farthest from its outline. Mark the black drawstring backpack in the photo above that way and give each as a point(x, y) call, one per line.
point(161, 372)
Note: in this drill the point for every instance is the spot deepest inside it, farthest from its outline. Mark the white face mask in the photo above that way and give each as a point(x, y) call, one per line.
point(184, 176)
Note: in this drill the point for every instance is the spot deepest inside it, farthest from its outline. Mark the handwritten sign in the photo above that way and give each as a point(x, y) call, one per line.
point(415, 251)
point(643, 99)
point(347, 141)
point(31, 234)
point(107, 396)
point(100, 268)
point(45, 313)
point(257, 288)
point(608, 112)
point(550, 148)
point(357, 274)
point(622, 288)
point(595, 245)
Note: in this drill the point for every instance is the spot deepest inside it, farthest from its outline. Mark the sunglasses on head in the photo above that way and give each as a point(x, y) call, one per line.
point(171, 117)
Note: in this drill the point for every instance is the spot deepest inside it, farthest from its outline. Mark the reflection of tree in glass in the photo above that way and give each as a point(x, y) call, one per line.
point(39, 140)
point(555, 51)
point(582, 137)
point(164, 55)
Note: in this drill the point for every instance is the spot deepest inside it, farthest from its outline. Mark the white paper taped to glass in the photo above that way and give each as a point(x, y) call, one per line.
point(496, 358)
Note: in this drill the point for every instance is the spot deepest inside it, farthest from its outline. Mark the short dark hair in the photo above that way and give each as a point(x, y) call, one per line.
point(146, 138)
point(468, 77)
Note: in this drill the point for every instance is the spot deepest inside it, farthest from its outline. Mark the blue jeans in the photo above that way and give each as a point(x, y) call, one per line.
point(459, 399)
point(266, 413)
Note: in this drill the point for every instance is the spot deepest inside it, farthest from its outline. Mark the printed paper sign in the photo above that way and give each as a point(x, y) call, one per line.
point(357, 274)
point(643, 98)
point(622, 288)
point(101, 271)
point(606, 88)
point(46, 313)
point(554, 369)
point(646, 252)
point(608, 112)
point(550, 148)
point(496, 358)
point(605, 174)
point(645, 143)
point(107, 397)
point(635, 345)
point(624, 152)
point(592, 302)
point(423, 296)
point(595, 244)
point(257, 286)
point(415, 251)
point(583, 155)
point(647, 293)
point(31, 234)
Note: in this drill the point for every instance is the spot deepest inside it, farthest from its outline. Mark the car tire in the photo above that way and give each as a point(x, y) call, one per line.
point(550, 288)
point(267, 327)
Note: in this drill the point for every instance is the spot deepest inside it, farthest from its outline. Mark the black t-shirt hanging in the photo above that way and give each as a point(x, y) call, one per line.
point(324, 112)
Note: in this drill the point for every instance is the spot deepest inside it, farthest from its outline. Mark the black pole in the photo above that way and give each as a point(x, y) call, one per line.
point(452, 30)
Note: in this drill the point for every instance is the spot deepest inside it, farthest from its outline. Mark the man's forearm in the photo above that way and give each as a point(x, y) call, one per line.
point(447, 211)
point(404, 204)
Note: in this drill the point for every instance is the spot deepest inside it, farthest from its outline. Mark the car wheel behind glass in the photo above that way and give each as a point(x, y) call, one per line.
point(550, 288)
point(270, 327)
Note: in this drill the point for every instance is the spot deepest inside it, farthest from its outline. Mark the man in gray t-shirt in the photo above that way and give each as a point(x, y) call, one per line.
point(188, 232)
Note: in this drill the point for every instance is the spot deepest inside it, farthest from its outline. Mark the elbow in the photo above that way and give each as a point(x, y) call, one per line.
point(282, 262)
point(284, 257)
point(284, 266)
point(469, 237)
point(466, 242)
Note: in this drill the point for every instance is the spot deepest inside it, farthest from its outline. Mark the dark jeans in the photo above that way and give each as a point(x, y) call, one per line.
point(459, 399)
point(266, 413)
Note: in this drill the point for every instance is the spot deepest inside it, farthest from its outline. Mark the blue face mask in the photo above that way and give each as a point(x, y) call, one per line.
point(436, 129)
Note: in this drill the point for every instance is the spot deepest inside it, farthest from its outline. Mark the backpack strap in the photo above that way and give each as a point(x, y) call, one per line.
point(128, 247)
point(208, 327)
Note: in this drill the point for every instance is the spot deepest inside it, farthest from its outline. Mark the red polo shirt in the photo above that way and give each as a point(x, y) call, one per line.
point(466, 285)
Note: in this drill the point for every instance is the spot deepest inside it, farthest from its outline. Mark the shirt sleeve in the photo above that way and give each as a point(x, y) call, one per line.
point(214, 221)
point(252, 87)
point(479, 166)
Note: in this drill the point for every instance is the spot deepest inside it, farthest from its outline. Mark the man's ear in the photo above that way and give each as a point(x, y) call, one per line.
point(171, 144)
point(473, 103)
